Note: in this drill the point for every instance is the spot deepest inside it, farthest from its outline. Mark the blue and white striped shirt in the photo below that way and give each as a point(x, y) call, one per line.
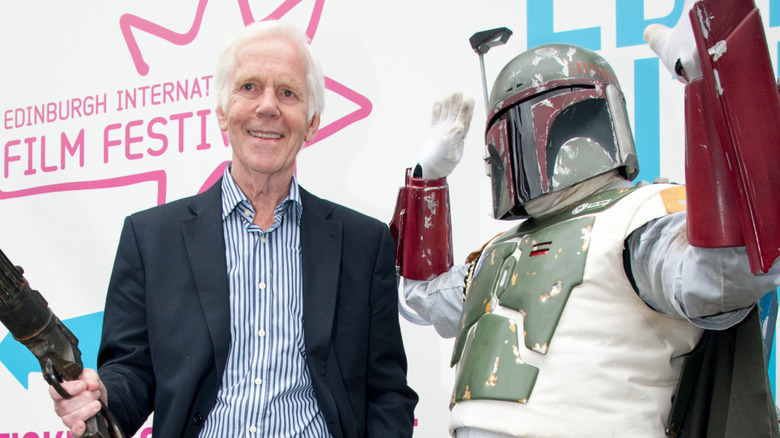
point(266, 389)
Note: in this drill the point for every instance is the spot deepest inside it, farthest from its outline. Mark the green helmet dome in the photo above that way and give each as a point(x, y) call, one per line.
point(549, 66)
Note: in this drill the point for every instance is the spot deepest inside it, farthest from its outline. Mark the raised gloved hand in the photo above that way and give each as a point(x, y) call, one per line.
point(676, 47)
point(444, 147)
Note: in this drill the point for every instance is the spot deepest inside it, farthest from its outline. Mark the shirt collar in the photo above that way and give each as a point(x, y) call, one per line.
point(232, 196)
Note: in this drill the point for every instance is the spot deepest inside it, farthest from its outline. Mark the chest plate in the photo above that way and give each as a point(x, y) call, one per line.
point(529, 274)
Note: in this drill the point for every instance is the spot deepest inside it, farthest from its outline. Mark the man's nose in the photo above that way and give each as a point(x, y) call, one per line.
point(267, 104)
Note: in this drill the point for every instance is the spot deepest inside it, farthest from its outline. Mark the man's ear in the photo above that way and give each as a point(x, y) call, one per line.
point(222, 119)
point(311, 131)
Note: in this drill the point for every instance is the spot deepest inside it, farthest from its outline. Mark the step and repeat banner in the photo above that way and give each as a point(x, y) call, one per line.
point(107, 108)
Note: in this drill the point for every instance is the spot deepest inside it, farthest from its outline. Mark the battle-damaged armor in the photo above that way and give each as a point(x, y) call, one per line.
point(732, 119)
point(549, 304)
point(558, 335)
point(550, 307)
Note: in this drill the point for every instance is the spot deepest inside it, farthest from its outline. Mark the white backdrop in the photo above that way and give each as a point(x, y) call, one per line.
point(91, 156)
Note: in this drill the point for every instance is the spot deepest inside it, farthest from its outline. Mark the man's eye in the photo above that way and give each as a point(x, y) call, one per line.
point(247, 87)
point(288, 93)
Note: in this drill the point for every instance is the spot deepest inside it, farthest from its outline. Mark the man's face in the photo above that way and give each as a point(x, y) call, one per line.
point(266, 118)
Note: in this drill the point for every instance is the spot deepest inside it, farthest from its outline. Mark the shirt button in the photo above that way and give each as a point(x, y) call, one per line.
point(261, 285)
point(252, 429)
point(258, 381)
point(262, 239)
point(261, 333)
point(247, 213)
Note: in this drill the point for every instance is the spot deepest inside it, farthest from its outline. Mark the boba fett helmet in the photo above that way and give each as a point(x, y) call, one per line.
point(556, 117)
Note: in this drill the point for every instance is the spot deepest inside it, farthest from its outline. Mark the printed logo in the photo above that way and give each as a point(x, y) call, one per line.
point(590, 206)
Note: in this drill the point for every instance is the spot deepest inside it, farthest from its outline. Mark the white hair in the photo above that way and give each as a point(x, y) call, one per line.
point(226, 61)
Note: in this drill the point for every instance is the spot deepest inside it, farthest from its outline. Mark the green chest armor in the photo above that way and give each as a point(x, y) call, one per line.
point(529, 272)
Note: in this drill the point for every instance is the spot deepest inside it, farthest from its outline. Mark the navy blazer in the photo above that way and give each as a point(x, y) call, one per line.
point(166, 328)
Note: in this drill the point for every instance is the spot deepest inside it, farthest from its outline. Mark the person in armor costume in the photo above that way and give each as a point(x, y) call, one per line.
point(593, 316)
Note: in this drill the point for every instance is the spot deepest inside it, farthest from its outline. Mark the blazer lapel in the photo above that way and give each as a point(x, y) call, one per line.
point(321, 260)
point(320, 257)
point(204, 238)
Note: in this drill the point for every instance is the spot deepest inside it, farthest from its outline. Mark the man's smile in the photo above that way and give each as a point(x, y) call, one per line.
point(265, 135)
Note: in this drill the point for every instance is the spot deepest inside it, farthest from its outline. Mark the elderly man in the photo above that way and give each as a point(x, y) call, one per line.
point(254, 307)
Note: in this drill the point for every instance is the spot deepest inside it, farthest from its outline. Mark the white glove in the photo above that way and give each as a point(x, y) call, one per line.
point(444, 147)
point(675, 44)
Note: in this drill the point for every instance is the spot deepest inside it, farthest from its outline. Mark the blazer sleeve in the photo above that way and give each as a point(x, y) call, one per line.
point(124, 359)
point(391, 401)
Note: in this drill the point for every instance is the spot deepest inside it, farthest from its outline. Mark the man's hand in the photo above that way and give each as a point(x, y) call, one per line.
point(87, 394)
point(676, 47)
point(444, 148)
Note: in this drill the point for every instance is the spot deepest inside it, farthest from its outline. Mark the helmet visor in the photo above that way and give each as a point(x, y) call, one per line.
point(550, 142)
